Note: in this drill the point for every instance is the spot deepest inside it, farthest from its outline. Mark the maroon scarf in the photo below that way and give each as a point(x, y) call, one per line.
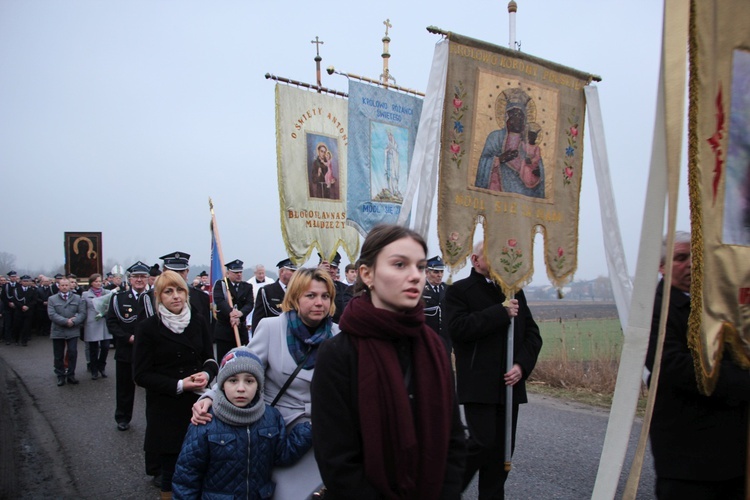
point(405, 455)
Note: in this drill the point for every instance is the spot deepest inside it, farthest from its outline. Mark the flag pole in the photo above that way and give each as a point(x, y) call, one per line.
point(220, 255)
point(512, 8)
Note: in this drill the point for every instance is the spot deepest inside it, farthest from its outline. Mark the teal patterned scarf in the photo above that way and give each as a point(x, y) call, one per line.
point(300, 340)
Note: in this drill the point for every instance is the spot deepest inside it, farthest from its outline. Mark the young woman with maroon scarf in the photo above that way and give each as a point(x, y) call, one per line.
point(384, 414)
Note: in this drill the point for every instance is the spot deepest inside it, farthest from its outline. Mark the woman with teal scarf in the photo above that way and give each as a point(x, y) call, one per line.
point(282, 343)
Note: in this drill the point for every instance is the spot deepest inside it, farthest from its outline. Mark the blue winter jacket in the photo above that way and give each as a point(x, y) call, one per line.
point(222, 461)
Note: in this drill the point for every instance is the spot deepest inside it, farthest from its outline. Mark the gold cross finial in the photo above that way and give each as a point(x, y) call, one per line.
point(317, 43)
point(388, 24)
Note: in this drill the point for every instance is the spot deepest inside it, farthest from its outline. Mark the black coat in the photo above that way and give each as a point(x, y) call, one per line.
point(337, 387)
point(160, 359)
point(478, 326)
point(342, 298)
point(242, 299)
point(695, 437)
point(122, 318)
point(434, 302)
point(268, 303)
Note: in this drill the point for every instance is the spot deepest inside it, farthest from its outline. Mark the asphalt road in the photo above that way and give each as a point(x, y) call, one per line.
point(62, 442)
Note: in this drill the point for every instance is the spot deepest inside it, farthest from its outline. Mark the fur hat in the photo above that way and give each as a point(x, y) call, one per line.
point(241, 360)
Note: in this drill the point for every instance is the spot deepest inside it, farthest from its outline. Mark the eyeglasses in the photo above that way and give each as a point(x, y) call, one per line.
point(139, 277)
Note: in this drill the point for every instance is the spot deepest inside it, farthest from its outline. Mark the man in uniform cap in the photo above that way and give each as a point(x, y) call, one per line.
point(227, 317)
point(205, 284)
point(343, 291)
point(43, 292)
point(7, 295)
point(268, 299)
point(56, 285)
point(153, 273)
point(433, 295)
point(121, 321)
point(25, 299)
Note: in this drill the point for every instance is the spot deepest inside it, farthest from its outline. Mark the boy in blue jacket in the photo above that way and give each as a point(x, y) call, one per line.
point(234, 454)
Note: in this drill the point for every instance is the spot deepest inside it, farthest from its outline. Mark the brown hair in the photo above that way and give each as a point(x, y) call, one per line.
point(300, 282)
point(93, 278)
point(380, 237)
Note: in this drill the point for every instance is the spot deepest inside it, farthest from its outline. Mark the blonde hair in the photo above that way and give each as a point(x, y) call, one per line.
point(167, 279)
point(299, 284)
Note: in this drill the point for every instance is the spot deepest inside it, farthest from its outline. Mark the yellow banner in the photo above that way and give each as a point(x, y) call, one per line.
point(719, 178)
point(311, 141)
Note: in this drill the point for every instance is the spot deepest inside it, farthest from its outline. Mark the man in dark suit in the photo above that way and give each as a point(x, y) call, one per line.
point(343, 291)
point(228, 317)
point(433, 296)
point(268, 299)
point(7, 296)
point(121, 321)
point(477, 317)
point(25, 299)
point(43, 292)
point(699, 442)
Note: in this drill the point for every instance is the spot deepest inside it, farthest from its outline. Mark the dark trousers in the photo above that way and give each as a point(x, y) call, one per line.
point(8, 315)
point(674, 489)
point(124, 391)
point(485, 448)
point(58, 349)
point(168, 462)
point(22, 325)
point(223, 347)
point(98, 352)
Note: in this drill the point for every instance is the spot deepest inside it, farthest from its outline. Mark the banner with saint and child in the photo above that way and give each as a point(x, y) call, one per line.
point(311, 139)
point(512, 150)
point(719, 180)
point(382, 130)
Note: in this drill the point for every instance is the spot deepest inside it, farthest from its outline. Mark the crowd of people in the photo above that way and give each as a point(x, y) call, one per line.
point(310, 385)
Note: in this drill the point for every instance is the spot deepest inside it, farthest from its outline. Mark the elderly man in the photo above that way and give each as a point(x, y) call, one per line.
point(268, 299)
point(67, 311)
point(259, 279)
point(699, 442)
point(477, 319)
point(121, 321)
point(227, 317)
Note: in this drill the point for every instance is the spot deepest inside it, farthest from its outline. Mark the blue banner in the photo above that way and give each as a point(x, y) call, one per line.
point(382, 130)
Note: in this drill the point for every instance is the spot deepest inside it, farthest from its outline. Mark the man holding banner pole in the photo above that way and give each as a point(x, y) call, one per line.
point(479, 320)
point(233, 298)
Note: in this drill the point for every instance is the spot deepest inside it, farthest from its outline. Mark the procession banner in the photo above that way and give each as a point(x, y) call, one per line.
point(719, 181)
point(512, 150)
point(382, 130)
point(83, 253)
point(311, 140)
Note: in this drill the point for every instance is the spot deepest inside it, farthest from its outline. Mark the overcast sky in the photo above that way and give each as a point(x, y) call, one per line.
point(125, 116)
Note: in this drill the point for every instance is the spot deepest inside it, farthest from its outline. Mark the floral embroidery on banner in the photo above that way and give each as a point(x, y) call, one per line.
point(452, 247)
point(570, 151)
point(457, 114)
point(559, 259)
point(512, 257)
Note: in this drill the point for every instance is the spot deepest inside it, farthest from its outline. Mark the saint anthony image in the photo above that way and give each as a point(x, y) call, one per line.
point(323, 183)
point(511, 160)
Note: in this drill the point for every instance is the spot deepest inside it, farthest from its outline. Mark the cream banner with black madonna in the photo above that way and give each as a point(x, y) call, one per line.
point(512, 150)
